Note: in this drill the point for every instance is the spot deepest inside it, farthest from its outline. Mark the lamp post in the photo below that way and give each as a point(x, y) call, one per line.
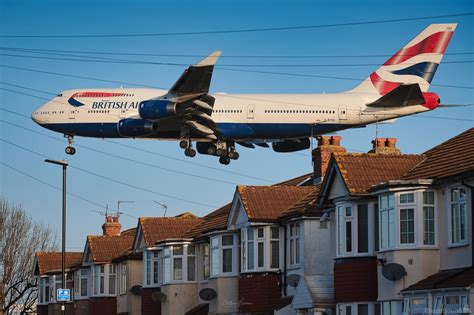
point(64, 164)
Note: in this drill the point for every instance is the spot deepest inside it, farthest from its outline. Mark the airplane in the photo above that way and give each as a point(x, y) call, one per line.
point(188, 113)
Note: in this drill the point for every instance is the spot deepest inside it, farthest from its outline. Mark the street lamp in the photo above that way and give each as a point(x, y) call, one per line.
point(64, 164)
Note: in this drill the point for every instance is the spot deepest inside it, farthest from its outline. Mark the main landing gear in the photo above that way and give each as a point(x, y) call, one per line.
point(188, 148)
point(226, 152)
point(70, 141)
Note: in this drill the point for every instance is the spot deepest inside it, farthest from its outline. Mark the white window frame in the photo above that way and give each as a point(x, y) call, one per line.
point(341, 308)
point(459, 202)
point(294, 245)
point(79, 275)
point(206, 268)
point(123, 277)
point(265, 241)
point(44, 290)
point(168, 257)
point(217, 249)
point(189, 265)
point(107, 272)
point(151, 270)
point(387, 210)
point(414, 212)
point(425, 206)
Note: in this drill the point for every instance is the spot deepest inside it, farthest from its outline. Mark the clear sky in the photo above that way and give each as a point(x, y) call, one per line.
point(20, 17)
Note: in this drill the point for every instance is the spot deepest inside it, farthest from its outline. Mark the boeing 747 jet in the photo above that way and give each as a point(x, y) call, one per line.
point(215, 123)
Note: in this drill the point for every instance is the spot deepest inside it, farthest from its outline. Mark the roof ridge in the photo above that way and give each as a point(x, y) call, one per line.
point(449, 140)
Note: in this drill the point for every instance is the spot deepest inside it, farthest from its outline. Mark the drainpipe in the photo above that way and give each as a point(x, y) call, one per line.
point(463, 182)
point(284, 260)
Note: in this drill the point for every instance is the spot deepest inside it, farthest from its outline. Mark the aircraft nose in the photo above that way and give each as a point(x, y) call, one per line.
point(34, 117)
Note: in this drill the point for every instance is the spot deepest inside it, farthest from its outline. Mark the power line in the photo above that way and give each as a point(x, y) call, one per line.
point(221, 66)
point(23, 49)
point(58, 188)
point(248, 30)
point(113, 180)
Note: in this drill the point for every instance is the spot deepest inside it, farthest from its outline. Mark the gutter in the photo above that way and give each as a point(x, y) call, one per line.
point(464, 183)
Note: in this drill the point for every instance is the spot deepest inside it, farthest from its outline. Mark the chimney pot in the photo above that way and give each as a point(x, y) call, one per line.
point(391, 142)
point(336, 140)
point(380, 142)
point(385, 146)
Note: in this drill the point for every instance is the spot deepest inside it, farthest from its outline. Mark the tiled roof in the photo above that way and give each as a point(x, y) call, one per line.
point(215, 220)
point(363, 170)
point(48, 262)
point(104, 248)
point(267, 203)
point(157, 229)
point(296, 181)
point(449, 158)
point(306, 206)
point(451, 278)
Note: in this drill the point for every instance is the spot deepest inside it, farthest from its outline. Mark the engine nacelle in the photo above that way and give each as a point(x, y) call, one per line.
point(156, 109)
point(130, 127)
point(291, 146)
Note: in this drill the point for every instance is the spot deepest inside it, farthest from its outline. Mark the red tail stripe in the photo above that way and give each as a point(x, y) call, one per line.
point(435, 43)
point(382, 86)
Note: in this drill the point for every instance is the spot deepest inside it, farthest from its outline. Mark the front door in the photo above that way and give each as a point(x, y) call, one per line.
point(251, 111)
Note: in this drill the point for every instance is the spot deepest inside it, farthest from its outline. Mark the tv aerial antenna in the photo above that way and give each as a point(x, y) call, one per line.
point(165, 207)
point(119, 203)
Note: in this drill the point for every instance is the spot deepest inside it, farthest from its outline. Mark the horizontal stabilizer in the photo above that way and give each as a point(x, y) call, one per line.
point(403, 95)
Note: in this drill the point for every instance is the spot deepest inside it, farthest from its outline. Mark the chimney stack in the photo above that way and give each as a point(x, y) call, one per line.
point(385, 146)
point(111, 227)
point(327, 146)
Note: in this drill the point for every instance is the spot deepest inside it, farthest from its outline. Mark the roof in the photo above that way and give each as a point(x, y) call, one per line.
point(450, 158)
point(267, 203)
point(360, 171)
point(216, 220)
point(104, 248)
point(451, 278)
point(297, 181)
point(50, 262)
point(157, 229)
point(306, 206)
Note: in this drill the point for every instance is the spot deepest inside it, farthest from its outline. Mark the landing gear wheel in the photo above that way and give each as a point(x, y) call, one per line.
point(222, 153)
point(190, 152)
point(224, 160)
point(211, 150)
point(183, 144)
point(233, 155)
point(70, 150)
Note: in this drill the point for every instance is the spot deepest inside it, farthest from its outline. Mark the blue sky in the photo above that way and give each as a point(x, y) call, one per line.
point(416, 134)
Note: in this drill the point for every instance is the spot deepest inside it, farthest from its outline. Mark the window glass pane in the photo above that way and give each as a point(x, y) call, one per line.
point(362, 309)
point(214, 241)
point(407, 226)
point(348, 211)
point(227, 240)
point(428, 226)
point(250, 234)
point(454, 195)
point(155, 271)
point(376, 227)
point(101, 284)
point(348, 310)
point(462, 225)
point(227, 260)
point(455, 223)
point(206, 261)
point(260, 232)
point(297, 251)
point(384, 202)
point(428, 197)
point(83, 286)
point(275, 254)
point(362, 228)
point(177, 269)
point(112, 283)
point(391, 200)
point(191, 250)
point(340, 230)
point(191, 268)
point(250, 261)
point(214, 261)
point(407, 198)
point(462, 193)
point(349, 237)
point(260, 255)
point(292, 250)
point(167, 269)
point(393, 307)
point(376, 309)
point(275, 232)
point(177, 250)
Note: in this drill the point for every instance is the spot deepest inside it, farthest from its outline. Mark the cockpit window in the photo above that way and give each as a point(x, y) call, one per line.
point(59, 95)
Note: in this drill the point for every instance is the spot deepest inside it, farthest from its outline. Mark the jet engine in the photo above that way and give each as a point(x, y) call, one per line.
point(157, 109)
point(130, 127)
point(291, 145)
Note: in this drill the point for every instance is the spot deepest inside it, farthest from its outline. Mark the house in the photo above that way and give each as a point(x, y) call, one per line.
point(48, 271)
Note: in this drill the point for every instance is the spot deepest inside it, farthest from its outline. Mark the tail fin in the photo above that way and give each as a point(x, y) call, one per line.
point(415, 63)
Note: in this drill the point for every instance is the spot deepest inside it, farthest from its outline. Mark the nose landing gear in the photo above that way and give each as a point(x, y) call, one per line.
point(70, 150)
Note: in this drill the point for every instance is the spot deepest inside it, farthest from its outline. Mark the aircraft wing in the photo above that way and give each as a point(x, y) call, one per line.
point(403, 95)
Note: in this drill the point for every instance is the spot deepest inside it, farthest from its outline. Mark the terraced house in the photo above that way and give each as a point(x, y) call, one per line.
point(371, 233)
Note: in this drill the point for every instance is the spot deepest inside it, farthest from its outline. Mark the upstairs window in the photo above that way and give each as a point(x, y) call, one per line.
point(104, 279)
point(151, 261)
point(81, 281)
point(275, 247)
point(387, 221)
point(112, 279)
point(44, 290)
point(428, 218)
point(223, 248)
point(294, 243)
point(123, 278)
point(205, 263)
point(458, 216)
point(407, 226)
point(260, 248)
point(191, 263)
point(179, 263)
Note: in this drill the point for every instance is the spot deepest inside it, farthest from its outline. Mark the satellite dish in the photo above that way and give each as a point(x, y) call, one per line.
point(207, 294)
point(136, 290)
point(292, 280)
point(158, 296)
point(393, 271)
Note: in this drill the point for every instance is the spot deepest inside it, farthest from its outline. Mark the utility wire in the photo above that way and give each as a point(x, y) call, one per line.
point(248, 30)
point(174, 55)
point(111, 179)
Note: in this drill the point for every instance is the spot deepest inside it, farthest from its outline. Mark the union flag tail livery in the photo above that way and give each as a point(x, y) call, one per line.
point(416, 63)
point(216, 123)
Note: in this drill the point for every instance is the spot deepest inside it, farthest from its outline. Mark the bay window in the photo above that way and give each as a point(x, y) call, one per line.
point(387, 221)
point(223, 260)
point(458, 216)
point(81, 281)
point(260, 248)
point(44, 290)
point(353, 229)
point(179, 263)
point(104, 278)
point(151, 259)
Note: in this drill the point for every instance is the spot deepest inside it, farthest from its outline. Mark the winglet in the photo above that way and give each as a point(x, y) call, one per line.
point(209, 60)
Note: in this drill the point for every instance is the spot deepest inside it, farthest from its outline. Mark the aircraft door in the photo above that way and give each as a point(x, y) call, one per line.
point(72, 113)
point(251, 111)
point(343, 112)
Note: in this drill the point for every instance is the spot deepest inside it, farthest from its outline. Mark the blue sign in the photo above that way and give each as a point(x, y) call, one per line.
point(63, 295)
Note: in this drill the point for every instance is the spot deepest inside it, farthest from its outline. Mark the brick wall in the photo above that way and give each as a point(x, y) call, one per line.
point(259, 292)
point(150, 307)
point(99, 306)
point(355, 279)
